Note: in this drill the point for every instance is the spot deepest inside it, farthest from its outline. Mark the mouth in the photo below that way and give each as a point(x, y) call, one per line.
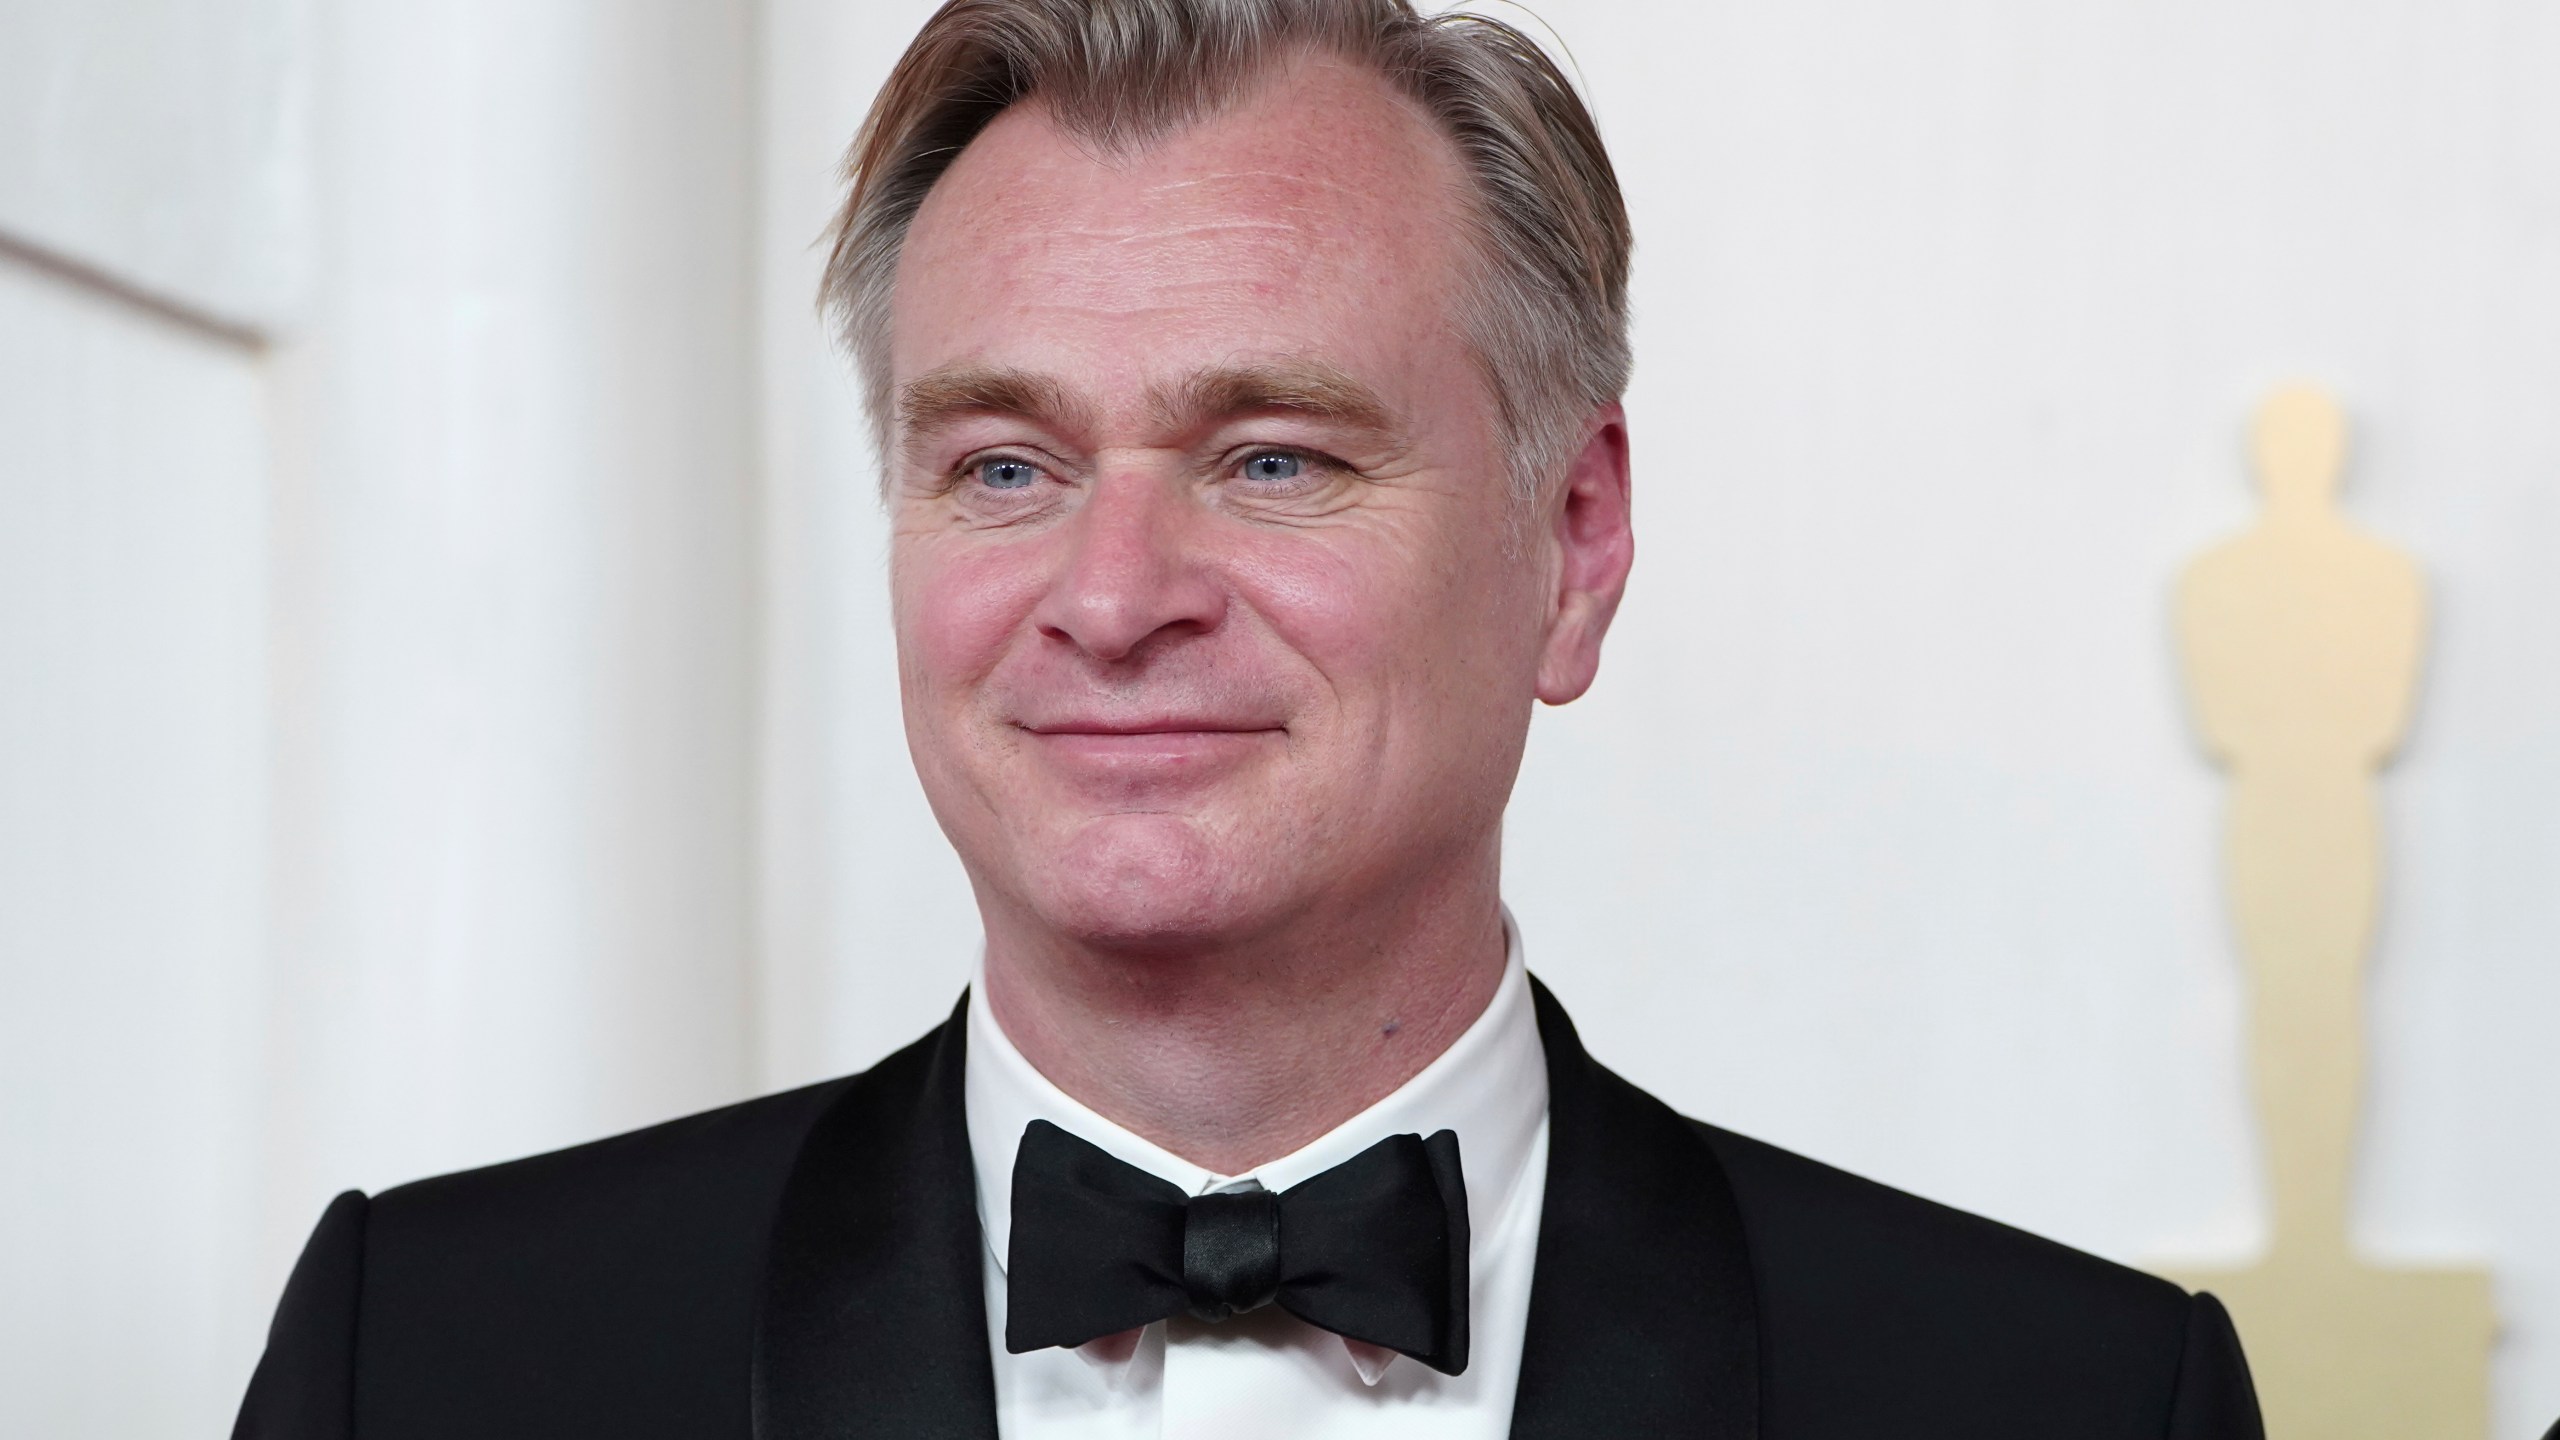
point(1132, 728)
point(1149, 750)
point(1150, 726)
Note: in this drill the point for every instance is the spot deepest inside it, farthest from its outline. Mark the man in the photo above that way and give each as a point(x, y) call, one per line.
point(1247, 373)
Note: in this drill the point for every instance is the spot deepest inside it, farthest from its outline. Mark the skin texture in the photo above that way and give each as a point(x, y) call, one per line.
point(1217, 640)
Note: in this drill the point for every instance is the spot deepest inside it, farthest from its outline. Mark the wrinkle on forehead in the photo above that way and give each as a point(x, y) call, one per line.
point(1288, 177)
point(1202, 230)
point(1280, 201)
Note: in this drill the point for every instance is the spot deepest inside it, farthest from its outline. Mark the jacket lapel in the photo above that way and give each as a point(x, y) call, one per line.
point(873, 1319)
point(1642, 1316)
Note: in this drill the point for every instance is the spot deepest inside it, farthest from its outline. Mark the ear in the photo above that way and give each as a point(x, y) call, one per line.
point(1590, 533)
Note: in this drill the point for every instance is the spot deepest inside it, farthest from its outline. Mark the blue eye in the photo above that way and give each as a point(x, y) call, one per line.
point(1007, 474)
point(1274, 467)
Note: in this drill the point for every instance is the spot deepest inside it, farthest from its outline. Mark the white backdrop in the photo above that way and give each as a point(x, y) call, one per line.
point(446, 707)
point(376, 646)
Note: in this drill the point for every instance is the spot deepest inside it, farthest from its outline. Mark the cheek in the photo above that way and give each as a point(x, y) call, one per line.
point(956, 609)
point(1396, 622)
point(1343, 608)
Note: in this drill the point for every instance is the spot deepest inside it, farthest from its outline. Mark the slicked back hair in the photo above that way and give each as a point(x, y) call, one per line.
point(1544, 299)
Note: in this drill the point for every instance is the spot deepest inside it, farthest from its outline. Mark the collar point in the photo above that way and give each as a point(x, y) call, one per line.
point(1369, 1361)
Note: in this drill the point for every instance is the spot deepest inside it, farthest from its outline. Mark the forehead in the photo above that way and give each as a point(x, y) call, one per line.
point(1316, 218)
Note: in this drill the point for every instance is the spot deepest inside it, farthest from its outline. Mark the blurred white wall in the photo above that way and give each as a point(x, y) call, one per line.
point(164, 143)
point(133, 811)
point(514, 637)
point(446, 706)
point(376, 635)
point(149, 204)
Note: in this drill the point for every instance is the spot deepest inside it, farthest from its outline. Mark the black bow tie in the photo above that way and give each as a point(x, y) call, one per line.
point(1374, 1249)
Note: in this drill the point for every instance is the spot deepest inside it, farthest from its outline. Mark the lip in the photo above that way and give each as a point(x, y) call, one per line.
point(1148, 727)
point(1143, 731)
point(1151, 751)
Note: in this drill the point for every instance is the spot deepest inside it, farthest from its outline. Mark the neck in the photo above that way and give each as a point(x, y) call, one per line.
point(2296, 510)
point(1235, 1052)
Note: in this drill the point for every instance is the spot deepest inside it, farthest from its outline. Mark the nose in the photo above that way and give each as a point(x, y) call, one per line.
point(1130, 569)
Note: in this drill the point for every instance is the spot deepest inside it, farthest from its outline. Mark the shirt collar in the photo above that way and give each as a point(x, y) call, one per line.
point(1490, 1086)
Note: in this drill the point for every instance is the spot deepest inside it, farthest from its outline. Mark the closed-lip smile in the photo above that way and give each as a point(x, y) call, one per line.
point(1102, 726)
point(1150, 750)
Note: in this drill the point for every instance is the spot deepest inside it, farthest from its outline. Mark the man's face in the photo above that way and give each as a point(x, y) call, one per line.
point(1205, 609)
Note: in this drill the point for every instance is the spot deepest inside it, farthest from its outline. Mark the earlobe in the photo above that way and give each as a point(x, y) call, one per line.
point(1593, 537)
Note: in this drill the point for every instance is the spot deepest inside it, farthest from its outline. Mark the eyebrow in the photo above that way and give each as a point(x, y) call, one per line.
point(1308, 388)
point(934, 400)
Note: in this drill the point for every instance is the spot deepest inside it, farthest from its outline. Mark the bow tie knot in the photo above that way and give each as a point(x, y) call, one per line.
point(1374, 1249)
point(1231, 1252)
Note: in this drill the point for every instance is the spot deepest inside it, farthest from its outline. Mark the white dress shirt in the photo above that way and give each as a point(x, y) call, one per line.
point(1269, 1373)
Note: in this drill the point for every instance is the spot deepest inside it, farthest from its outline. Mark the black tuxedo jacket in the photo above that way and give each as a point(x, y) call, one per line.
point(808, 1265)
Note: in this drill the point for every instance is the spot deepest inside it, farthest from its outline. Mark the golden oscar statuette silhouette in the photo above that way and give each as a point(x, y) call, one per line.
point(2301, 643)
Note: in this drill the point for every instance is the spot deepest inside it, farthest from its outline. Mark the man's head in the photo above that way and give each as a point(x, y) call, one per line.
point(1247, 374)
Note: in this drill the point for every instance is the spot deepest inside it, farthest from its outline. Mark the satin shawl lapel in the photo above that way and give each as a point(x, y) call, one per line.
point(1642, 1318)
point(873, 1320)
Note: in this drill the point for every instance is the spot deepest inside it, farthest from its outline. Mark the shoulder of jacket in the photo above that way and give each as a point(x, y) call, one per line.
point(1800, 1210)
point(748, 1137)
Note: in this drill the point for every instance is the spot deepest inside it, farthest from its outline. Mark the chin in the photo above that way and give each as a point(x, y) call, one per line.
point(1154, 883)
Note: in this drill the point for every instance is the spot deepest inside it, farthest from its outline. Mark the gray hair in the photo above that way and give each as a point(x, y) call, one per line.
point(1545, 307)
